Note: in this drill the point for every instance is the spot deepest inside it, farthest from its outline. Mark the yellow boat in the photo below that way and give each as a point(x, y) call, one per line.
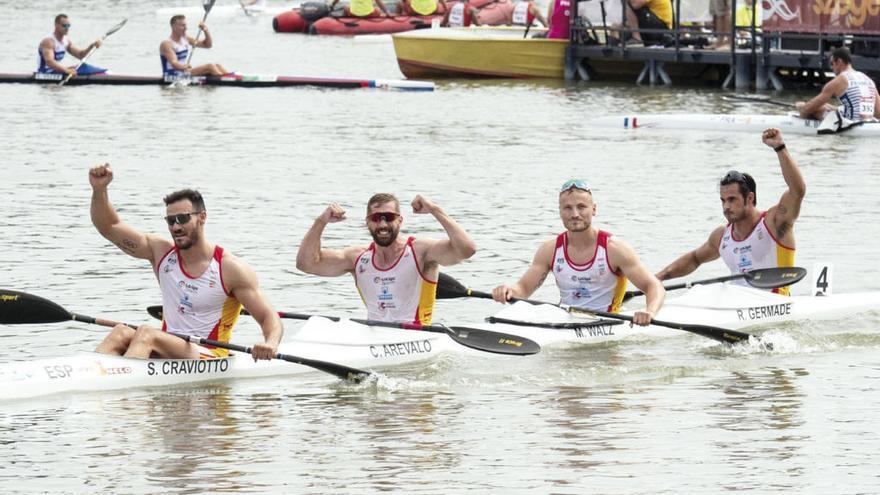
point(468, 52)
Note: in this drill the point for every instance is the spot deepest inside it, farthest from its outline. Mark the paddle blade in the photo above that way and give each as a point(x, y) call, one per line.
point(155, 311)
point(116, 28)
point(489, 341)
point(772, 278)
point(449, 288)
point(208, 5)
point(22, 308)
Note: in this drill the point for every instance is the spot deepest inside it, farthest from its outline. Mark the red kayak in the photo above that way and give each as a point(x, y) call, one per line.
point(315, 18)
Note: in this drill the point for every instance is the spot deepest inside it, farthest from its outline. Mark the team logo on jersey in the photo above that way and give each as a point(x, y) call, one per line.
point(172, 261)
point(376, 280)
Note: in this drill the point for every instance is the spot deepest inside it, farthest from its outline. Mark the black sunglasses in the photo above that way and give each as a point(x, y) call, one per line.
point(180, 218)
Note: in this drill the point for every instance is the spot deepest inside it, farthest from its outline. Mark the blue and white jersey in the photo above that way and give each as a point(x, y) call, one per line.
point(59, 47)
point(859, 98)
point(181, 50)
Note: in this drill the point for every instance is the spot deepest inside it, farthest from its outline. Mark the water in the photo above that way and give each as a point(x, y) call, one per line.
point(648, 416)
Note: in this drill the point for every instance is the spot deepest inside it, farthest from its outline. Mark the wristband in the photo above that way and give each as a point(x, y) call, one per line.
point(779, 148)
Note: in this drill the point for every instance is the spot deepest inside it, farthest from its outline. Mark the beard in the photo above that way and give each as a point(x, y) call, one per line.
point(384, 241)
point(188, 241)
point(577, 226)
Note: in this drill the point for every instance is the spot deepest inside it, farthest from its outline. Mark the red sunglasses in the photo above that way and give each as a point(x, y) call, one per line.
point(388, 216)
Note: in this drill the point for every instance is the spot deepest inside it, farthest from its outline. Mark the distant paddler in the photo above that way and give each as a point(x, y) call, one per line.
point(53, 48)
point(856, 91)
point(422, 7)
point(590, 265)
point(175, 51)
point(395, 276)
point(752, 238)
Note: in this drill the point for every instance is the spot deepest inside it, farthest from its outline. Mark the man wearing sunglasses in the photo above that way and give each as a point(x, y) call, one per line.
point(203, 287)
point(53, 48)
point(855, 90)
point(174, 52)
point(395, 276)
point(752, 238)
point(591, 266)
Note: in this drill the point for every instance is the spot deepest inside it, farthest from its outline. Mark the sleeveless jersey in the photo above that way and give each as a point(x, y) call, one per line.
point(59, 47)
point(196, 305)
point(399, 293)
point(521, 15)
point(859, 98)
point(593, 285)
point(181, 50)
point(560, 21)
point(423, 7)
point(759, 250)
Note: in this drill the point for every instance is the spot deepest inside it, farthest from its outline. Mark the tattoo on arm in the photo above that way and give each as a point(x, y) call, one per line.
point(128, 245)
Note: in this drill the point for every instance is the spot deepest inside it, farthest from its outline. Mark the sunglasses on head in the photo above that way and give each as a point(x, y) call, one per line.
point(388, 216)
point(180, 218)
point(736, 177)
point(574, 184)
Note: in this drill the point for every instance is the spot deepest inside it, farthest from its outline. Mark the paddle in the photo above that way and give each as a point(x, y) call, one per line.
point(451, 288)
point(762, 278)
point(758, 99)
point(83, 60)
point(475, 338)
point(22, 308)
point(207, 4)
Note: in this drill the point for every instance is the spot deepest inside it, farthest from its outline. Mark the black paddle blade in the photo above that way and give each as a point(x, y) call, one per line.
point(155, 311)
point(22, 308)
point(772, 278)
point(449, 288)
point(489, 341)
point(725, 335)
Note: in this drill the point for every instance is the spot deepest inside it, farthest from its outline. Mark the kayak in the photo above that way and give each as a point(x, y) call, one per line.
point(344, 342)
point(725, 305)
point(230, 80)
point(728, 122)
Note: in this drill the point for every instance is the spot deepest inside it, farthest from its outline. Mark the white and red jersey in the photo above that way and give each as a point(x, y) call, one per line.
point(592, 285)
point(459, 15)
point(399, 293)
point(196, 305)
point(760, 249)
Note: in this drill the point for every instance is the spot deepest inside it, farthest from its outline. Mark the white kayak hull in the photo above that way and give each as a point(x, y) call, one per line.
point(726, 305)
point(789, 124)
point(343, 342)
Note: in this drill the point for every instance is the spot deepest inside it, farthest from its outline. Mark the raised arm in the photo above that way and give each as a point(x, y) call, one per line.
point(691, 260)
point(105, 219)
point(242, 283)
point(207, 41)
point(533, 278)
point(459, 245)
point(313, 259)
point(81, 53)
point(782, 216)
point(632, 268)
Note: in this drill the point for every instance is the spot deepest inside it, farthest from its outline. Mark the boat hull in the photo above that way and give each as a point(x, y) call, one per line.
point(232, 80)
point(457, 53)
point(721, 305)
point(789, 124)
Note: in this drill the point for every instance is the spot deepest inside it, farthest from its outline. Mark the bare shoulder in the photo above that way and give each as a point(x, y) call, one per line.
point(158, 244)
point(236, 272)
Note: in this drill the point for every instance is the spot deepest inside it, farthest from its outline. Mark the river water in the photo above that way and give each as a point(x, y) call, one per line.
point(682, 414)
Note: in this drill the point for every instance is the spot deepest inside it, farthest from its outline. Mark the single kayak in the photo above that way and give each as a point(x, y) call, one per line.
point(728, 122)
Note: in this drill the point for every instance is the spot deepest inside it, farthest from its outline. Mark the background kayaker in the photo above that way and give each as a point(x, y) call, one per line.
point(203, 287)
point(422, 7)
point(53, 48)
point(174, 51)
point(395, 276)
point(856, 91)
point(507, 13)
point(752, 238)
point(591, 266)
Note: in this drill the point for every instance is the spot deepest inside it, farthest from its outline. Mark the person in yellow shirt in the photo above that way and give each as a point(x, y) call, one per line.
point(422, 7)
point(363, 8)
point(650, 14)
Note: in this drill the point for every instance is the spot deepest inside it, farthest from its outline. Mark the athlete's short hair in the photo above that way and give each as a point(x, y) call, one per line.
point(382, 198)
point(176, 18)
point(842, 53)
point(59, 17)
point(746, 184)
point(192, 195)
